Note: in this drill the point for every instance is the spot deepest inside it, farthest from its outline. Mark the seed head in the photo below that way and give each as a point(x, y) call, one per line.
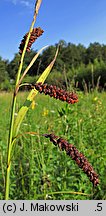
point(79, 158)
point(53, 91)
point(36, 32)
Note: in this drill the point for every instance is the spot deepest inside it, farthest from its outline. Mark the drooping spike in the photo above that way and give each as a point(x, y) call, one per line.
point(78, 157)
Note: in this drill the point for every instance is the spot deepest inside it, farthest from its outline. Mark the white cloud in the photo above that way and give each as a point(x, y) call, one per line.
point(28, 3)
point(14, 1)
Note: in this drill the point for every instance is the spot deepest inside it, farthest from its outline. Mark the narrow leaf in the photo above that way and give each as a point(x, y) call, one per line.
point(23, 110)
point(30, 64)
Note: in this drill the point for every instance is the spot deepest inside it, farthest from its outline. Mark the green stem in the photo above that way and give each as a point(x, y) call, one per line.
point(10, 138)
point(64, 192)
point(7, 182)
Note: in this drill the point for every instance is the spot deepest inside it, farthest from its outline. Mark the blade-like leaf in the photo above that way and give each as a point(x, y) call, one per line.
point(30, 64)
point(23, 110)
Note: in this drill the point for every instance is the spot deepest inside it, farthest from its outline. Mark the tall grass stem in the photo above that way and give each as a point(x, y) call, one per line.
point(10, 138)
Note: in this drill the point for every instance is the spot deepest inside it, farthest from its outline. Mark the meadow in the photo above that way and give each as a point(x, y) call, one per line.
point(39, 169)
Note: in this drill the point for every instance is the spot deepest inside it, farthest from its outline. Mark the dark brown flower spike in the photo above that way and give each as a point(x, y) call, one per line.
point(79, 158)
point(36, 32)
point(53, 91)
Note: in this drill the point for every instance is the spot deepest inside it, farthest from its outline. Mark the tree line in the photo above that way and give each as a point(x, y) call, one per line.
point(76, 66)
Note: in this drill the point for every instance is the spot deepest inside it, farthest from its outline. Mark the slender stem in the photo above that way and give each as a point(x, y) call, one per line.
point(23, 53)
point(10, 138)
point(64, 192)
point(7, 182)
point(2, 166)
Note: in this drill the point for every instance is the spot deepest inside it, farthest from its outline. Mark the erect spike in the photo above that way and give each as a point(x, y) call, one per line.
point(36, 32)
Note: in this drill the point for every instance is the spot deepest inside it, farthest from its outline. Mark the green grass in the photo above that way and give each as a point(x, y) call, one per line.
point(39, 169)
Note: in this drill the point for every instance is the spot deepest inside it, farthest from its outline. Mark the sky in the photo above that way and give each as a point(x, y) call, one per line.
point(75, 21)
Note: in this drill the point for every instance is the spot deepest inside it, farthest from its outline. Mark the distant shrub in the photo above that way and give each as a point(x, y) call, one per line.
point(94, 75)
point(56, 78)
point(6, 85)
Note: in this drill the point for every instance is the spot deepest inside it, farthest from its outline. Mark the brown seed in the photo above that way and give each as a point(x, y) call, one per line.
point(57, 93)
point(36, 32)
point(79, 158)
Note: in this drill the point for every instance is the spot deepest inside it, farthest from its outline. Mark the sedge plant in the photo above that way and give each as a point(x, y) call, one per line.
point(15, 123)
point(52, 91)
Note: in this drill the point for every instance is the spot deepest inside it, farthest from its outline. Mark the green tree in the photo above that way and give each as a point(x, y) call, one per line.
point(13, 66)
point(73, 55)
point(3, 70)
point(94, 51)
point(104, 53)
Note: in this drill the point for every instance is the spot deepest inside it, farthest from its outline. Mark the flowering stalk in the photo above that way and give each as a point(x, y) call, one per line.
point(53, 91)
point(10, 137)
point(79, 158)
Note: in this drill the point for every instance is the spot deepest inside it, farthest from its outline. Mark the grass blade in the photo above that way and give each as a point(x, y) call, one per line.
point(23, 110)
point(30, 64)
